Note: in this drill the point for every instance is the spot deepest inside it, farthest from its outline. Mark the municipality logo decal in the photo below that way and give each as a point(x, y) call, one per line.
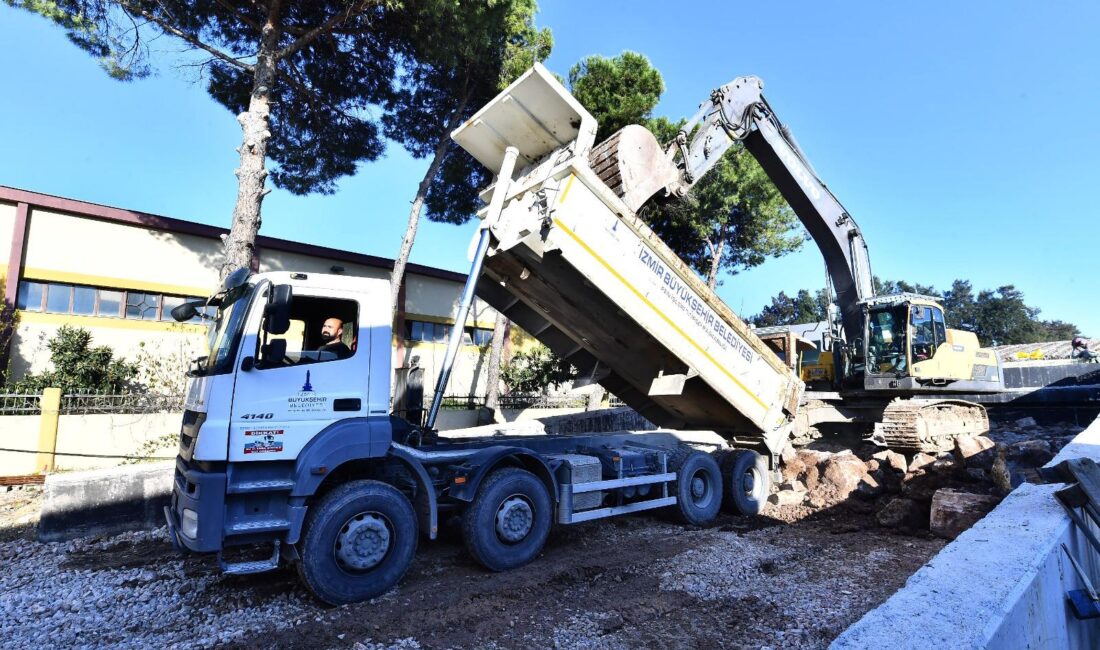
point(307, 387)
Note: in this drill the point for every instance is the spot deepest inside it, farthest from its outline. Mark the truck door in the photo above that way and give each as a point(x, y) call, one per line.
point(290, 386)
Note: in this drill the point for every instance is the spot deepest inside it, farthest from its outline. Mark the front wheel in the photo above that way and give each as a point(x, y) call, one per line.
point(508, 522)
point(358, 542)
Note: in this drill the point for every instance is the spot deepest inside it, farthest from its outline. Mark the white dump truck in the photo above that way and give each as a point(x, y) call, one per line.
point(288, 446)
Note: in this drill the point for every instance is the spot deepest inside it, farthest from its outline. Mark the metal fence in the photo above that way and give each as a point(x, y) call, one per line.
point(20, 403)
point(543, 401)
point(88, 403)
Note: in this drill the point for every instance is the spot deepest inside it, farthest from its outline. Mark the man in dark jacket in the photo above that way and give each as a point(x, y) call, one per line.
point(331, 340)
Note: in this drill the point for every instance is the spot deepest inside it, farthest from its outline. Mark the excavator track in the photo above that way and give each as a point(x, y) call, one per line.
point(928, 425)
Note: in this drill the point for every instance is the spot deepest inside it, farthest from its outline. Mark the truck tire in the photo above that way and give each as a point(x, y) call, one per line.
point(509, 520)
point(698, 486)
point(357, 543)
point(747, 482)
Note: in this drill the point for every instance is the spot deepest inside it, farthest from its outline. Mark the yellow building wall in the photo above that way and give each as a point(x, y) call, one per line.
point(435, 297)
point(7, 226)
point(66, 248)
point(273, 260)
point(82, 250)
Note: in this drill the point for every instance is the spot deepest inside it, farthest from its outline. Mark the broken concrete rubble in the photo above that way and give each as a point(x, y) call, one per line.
point(975, 451)
point(901, 490)
point(900, 512)
point(952, 511)
point(919, 460)
point(892, 459)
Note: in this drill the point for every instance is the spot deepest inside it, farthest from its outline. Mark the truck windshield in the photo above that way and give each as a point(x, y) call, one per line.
point(225, 331)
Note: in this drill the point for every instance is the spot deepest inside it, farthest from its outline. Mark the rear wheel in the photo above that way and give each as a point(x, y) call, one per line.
point(698, 486)
point(509, 520)
point(357, 543)
point(747, 482)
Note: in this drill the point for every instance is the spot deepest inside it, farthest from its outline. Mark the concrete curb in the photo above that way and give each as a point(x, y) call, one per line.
point(1001, 584)
point(105, 501)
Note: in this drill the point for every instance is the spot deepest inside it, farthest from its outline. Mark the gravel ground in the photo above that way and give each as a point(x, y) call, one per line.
point(794, 577)
point(635, 581)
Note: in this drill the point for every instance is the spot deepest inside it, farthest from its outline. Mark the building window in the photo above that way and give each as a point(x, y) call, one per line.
point(478, 336)
point(84, 301)
point(30, 297)
point(59, 298)
point(423, 331)
point(110, 303)
point(142, 306)
point(79, 300)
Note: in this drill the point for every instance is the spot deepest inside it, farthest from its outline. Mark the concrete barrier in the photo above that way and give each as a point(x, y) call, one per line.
point(104, 501)
point(1002, 584)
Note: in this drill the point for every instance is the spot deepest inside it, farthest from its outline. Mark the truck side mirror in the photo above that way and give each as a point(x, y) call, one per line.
point(186, 311)
point(277, 309)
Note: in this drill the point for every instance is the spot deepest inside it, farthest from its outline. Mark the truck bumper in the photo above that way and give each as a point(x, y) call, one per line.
point(195, 516)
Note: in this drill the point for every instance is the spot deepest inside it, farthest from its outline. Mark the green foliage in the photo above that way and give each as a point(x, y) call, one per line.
point(733, 219)
point(536, 372)
point(459, 57)
point(9, 319)
point(162, 366)
point(325, 90)
point(618, 91)
point(998, 316)
point(77, 366)
point(891, 287)
point(98, 29)
point(802, 308)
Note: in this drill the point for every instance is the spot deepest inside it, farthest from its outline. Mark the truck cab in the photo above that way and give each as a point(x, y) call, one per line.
point(270, 392)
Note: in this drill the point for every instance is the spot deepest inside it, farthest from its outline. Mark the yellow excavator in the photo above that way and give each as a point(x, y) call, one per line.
point(896, 362)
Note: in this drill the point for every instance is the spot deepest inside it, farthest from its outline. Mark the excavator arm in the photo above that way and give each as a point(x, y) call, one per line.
point(739, 111)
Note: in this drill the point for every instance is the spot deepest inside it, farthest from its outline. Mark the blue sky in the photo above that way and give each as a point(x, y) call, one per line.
point(962, 137)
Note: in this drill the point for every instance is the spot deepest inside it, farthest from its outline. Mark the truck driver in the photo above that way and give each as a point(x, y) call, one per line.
point(331, 339)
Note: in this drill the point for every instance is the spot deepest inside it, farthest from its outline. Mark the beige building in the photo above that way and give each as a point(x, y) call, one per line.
point(118, 273)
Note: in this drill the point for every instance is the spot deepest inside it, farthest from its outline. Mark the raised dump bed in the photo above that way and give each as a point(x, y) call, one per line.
point(570, 263)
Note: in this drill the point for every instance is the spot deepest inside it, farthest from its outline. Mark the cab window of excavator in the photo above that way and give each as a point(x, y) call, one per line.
point(939, 326)
point(885, 342)
point(923, 338)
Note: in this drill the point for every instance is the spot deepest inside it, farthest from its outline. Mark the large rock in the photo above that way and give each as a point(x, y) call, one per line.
point(787, 498)
point(891, 459)
point(920, 460)
point(975, 451)
point(869, 487)
point(1034, 453)
point(842, 473)
point(793, 469)
point(921, 486)
point(900, 512)
point(1026, 422)
point(813, 456)
point(953, 511)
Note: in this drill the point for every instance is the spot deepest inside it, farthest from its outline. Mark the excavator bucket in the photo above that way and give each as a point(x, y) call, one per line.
point(632, 163)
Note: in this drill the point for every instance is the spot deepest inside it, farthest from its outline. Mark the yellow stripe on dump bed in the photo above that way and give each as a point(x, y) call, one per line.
point(641, 297)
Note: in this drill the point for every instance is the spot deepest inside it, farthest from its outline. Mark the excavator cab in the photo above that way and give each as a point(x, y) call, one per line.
point(907, 346)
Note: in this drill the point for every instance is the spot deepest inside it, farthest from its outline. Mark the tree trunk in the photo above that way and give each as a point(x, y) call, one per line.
point(716, 262)
point(418, 204)
point(240, 245)
point(496, 351)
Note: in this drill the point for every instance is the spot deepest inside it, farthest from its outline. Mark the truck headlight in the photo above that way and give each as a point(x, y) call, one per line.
point(189, 523)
